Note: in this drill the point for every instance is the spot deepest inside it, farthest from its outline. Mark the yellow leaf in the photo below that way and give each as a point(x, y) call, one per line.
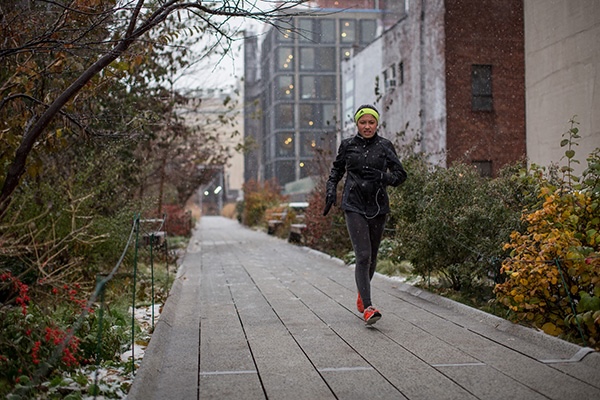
point(574, 289)
point(519, 298)
point(551, 329)
point(530, 316)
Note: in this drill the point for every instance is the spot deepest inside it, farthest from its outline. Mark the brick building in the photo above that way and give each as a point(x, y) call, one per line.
point(485, 82)
point(451, 71)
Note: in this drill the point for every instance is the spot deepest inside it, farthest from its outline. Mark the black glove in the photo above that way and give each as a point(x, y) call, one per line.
point(373, 174)
point(330, 199)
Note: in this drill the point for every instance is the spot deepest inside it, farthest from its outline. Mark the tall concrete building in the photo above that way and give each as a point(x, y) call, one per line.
point(562, 43)
point(293, 84)
point(452, 73)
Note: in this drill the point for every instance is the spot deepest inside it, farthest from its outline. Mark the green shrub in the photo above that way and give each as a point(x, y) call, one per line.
point(451, 223)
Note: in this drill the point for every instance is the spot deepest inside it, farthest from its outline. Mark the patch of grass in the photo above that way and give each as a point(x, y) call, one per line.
point(391, 268)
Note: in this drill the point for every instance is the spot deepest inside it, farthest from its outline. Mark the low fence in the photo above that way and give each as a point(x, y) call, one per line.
point(147, 235)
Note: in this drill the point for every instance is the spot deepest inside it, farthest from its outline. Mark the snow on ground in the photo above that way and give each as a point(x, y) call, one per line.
point(115, 381)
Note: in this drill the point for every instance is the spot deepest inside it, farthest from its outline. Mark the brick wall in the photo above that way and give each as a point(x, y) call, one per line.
point(486, 32)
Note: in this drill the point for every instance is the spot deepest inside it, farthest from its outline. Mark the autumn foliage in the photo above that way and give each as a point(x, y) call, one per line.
point(553, 272)
point(258, 198)
point(326, 233)
point(556, 263)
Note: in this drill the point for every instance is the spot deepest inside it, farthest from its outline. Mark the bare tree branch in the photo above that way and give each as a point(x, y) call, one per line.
point(135, 30)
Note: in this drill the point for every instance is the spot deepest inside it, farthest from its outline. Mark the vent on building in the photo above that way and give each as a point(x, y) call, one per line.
point(389, 77)
point(484, 168)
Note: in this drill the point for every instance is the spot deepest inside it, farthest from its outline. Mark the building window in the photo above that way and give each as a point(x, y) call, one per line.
point(284, 116)
point(368, 30)
point(484, 168)
point(400, 73)
point(317, 87)
point(285, 171)
point(307, 59)
point(327, 142)
point(348, 31)
point(326, 87)
point(317, 116)
point(312, 142)
point(389, 77)
point(308, 144)
point(308, 88)
point(306, 32)
point(308, 116)
point(481, 88)
point(327, 33)
point(324, 55)
point(348, 105)
point(284, 144)
point(316, 30)
point(285, 35)
point(307, 168)
point(284, 88)
point(329, 118)
point(285, 56)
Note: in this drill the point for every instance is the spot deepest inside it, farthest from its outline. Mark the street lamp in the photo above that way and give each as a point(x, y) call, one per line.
point(217, 191)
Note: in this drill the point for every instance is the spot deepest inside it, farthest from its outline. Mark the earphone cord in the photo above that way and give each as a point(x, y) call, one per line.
point(378, 206)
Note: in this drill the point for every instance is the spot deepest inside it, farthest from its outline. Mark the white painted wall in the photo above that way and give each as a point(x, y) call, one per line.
point(359, 75)
point(416, 106)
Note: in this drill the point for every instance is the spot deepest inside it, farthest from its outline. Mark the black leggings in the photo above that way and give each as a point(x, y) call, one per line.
point(365, 234)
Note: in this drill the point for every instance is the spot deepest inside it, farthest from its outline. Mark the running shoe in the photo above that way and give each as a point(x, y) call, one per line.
point(371, 315)
point(359, 304)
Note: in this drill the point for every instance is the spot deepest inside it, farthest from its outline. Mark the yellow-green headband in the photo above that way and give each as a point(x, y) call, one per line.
point(364, 111)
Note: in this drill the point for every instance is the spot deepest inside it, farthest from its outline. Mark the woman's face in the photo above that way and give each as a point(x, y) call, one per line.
point(367, 126)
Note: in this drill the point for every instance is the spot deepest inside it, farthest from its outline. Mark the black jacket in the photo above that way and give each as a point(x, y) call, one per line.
point(366, 193)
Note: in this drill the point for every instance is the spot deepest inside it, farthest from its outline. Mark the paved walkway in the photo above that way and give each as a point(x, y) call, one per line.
point(253, 317)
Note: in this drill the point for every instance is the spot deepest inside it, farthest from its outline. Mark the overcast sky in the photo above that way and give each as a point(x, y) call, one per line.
point(225, 72)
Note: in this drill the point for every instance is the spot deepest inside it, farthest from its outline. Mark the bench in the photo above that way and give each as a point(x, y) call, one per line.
point(155, 239)
point(276, 221)
point(279, 218)
point(296, 233)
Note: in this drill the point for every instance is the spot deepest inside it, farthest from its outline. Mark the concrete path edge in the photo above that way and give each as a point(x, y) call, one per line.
point(150, 365)
point(591, 357)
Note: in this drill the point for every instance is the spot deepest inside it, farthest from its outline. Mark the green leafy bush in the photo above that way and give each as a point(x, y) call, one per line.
point(451, 223)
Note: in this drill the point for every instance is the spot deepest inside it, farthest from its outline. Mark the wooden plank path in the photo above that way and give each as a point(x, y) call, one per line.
point(251, 316)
